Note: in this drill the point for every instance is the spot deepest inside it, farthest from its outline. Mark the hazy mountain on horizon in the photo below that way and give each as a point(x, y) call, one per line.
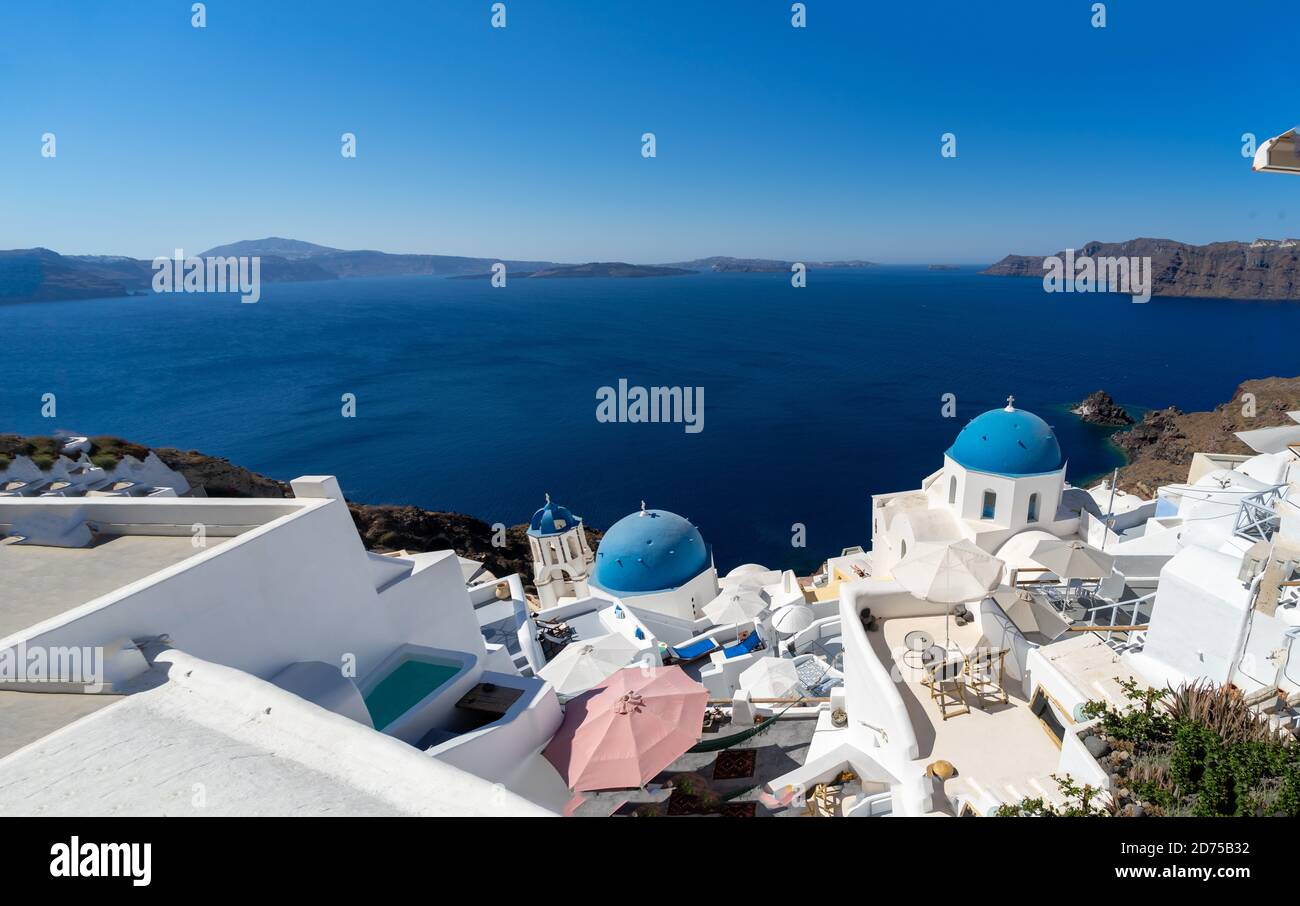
point(1263, 269)
point(271, 246)
point(728, 264)
point(40, 274)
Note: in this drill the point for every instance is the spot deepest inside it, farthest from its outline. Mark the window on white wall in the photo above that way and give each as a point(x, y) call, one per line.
point(1033, 507)
point(902, 549)
point(990, 505)
point(952, 489)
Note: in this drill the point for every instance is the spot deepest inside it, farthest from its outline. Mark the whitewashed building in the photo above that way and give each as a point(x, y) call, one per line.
point(249, 656)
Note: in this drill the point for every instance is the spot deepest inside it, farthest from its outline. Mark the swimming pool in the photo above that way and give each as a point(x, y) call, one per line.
point(409, 683)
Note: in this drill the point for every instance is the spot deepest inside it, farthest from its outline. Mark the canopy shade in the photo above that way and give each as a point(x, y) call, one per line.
point(771, 677)
point(583, 665)
point(1073, 559)
point(949, 574)
point(792, 618)
point(736, 606)
point(623, 734)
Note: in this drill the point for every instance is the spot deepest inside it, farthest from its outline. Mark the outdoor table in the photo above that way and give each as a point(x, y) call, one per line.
point(917, 642)
point(490, 698)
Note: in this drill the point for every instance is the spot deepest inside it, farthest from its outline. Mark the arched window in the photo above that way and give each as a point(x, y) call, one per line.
point(952, 489)
point(902, 549)
point(990, 505)
point(1033, 507)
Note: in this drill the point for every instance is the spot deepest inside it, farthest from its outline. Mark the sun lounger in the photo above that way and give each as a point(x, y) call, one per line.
point(750, 643)
point(695, 651)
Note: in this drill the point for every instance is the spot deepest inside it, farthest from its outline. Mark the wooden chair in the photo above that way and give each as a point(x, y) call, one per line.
point(824, 800)
point(986, 675)
point(947, 682)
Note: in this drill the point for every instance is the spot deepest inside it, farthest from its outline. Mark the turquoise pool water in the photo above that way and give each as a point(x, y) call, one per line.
point(400, 690)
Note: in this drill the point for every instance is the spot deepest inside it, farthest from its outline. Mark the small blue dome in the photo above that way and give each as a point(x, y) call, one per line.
point(648, 551)
point(552, 519)
point(1008, 442)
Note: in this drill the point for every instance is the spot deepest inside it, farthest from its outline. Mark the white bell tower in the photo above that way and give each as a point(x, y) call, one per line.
point(562, 558)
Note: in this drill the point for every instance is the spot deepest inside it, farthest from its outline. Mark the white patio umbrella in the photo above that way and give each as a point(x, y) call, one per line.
point(736, 606)
point(950, 573)
point(771, 677)
point(1073, 559)
point(792, 618)
point(753, 574)
point(583, 665)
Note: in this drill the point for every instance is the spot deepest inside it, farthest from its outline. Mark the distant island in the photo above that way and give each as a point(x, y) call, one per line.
point(723, 264)
point(1263, 269)
point(618, 269)
point(40, 275)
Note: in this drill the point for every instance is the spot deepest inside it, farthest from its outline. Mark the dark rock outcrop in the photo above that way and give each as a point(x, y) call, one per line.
point(219, 477)
point(1098, 408)
point(1263, 269)
point(1160, 447)
point(382, 527)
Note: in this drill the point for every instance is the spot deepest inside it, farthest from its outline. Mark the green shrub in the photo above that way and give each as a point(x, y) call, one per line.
point(1198, 750)
point(106, 461)
point(1080, 802)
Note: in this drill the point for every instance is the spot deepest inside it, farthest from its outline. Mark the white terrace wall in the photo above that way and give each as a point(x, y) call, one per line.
point(299, 588)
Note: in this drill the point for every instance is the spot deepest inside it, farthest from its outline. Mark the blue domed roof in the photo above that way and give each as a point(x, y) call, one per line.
point(648, 551)
point(1008, 442)
point(552, 519)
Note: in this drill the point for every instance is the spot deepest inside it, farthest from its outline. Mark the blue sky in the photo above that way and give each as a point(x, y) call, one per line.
point(525, 142)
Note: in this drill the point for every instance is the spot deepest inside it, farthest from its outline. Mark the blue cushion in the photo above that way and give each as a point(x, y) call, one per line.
point(694, 649)
point(745, 647)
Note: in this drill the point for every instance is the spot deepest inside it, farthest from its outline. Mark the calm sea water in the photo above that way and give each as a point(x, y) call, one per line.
point(479, 400)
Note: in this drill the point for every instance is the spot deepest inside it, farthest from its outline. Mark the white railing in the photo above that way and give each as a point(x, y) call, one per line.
point(1257, 517)
point(1132, 639)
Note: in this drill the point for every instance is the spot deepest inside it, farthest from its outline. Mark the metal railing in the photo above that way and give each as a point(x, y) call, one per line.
point(1257, 517)
point(1132, 631)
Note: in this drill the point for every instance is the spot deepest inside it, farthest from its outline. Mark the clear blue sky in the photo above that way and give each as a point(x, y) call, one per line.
point(525, 142)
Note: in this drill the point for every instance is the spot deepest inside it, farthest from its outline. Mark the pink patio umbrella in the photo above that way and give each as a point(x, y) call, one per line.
point(620, 735)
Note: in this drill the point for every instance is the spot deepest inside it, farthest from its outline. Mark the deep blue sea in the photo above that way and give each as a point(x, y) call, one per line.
point(480, 400)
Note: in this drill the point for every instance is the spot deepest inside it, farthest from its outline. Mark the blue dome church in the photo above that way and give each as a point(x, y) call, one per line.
point(661, 560)
point(1003, 475)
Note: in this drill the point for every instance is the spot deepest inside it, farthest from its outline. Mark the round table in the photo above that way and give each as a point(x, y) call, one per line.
point(933, 655)
point(918, 643)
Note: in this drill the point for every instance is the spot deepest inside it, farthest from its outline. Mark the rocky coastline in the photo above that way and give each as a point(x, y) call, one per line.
point(1098, 408)
point(1160, 447)
point(382, 527)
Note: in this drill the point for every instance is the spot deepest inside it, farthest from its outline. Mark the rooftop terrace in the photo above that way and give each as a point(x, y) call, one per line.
point(1000, 747)
point(43, 582)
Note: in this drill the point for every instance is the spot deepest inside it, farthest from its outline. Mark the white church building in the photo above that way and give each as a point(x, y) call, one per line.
point(562, 557)
point(1003, 475)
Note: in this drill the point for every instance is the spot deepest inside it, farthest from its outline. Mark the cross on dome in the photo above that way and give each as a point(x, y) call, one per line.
point(1010, 406)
